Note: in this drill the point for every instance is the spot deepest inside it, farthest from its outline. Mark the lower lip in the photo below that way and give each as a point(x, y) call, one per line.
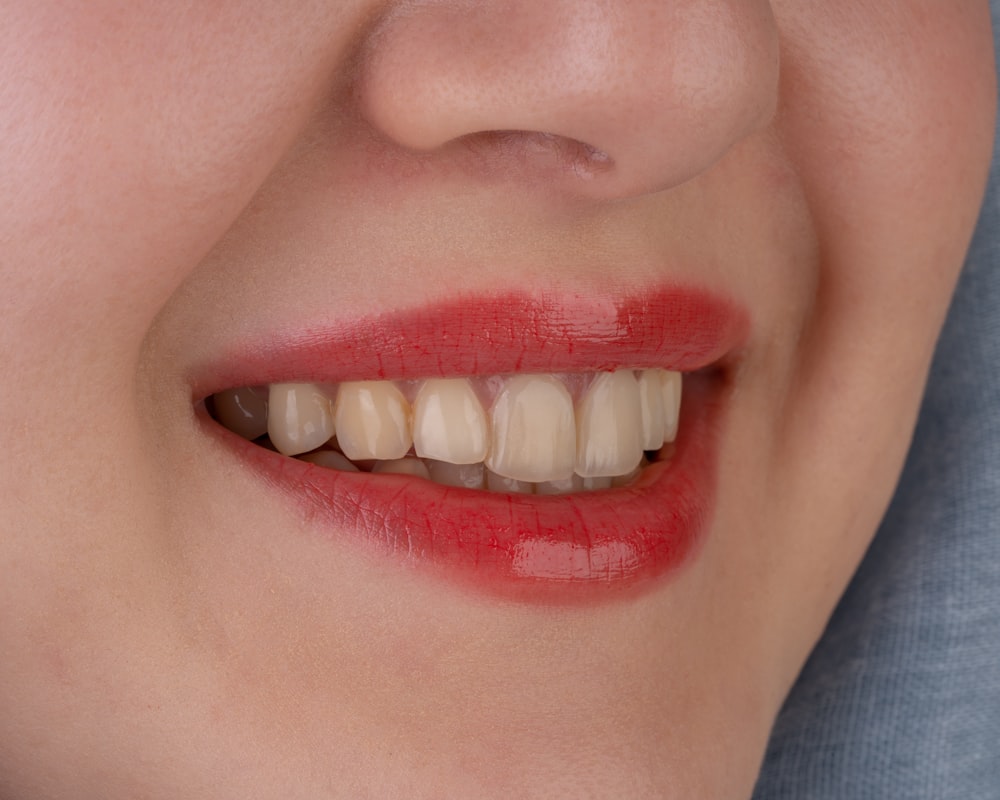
point(574, 548)
point(568, 549)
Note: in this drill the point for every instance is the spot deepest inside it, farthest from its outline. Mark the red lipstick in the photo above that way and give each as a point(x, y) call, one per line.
point(569, 548)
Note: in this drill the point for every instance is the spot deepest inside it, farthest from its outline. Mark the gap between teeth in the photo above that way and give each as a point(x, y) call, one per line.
point(517, 433)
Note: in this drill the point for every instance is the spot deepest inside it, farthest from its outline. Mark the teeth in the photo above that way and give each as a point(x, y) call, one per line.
point(625, 480)
point(574, 484)
point(564, 486)
point(609, 426)
point(330, 459)
point(373, 421)
point(243, 411)
point(534, 436)
point(498, 483)
point(671, 403)
point(532, 440)
point(299, 417)
point(654, 426)
point(449, 423)
point(468, 476)
point(403, 466)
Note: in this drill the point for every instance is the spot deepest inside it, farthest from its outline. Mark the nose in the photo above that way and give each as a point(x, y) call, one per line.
point(650, 92)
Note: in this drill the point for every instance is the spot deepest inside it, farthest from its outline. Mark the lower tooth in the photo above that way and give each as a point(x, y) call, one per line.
point(498, 483)
point(625, 480)
point(468, 476)
point(403, 466)
point(574, 484)
point(330, 459)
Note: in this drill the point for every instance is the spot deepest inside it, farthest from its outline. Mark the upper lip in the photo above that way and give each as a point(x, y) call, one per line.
point(674, 327)
point(561, 545)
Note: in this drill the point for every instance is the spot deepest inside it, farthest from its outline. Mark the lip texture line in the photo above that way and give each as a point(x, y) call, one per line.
point(673, 328)
point(567, 548)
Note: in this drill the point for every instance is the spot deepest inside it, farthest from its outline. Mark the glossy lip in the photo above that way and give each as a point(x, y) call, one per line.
point(569, 548)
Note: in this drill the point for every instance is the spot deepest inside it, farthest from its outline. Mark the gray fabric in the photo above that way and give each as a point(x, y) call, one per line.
point(901, 698)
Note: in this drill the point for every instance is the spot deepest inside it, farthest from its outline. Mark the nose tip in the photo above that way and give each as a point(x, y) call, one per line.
point(653, 92)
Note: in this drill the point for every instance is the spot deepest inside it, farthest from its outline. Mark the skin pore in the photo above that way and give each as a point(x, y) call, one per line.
point(180, 178)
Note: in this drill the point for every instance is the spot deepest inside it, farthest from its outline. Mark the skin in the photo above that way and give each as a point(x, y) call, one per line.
point(179, 175)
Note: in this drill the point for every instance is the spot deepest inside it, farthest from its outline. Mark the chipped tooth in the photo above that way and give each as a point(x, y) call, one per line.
point(243, 410)
point(533, 430)
point(330, 459)
point(499, 483)
point(651, 401)
point(468, 476)
point(299, 417)
point(671, 404)
point(372, 421)
point(449, 423)
point(609, 426)
point(402, 466)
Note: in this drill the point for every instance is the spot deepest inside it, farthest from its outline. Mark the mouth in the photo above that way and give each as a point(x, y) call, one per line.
point(536, 448)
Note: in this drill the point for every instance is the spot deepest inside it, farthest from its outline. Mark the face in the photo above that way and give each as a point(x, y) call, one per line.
point(550, 201)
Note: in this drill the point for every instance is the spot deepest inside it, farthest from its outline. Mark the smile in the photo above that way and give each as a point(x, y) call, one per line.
point(554, 484)
point(535, 439)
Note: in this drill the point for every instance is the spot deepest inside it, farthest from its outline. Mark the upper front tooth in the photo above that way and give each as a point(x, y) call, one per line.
point(243, 411)
point(671, 404)
point(609, 426)
point(449, 423)
point(653, 418)
point(534, 433)
point(299, 417)
point(372, 421)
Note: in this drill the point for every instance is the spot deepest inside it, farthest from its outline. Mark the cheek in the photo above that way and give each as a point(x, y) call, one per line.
point(887, 115)
point(889, 109)
point(133, 135)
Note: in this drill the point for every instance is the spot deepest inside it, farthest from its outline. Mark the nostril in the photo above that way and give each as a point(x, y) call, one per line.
point(644, 95)
point(539, 151)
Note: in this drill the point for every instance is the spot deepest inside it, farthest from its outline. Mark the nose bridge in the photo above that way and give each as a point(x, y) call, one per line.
point(661, 88)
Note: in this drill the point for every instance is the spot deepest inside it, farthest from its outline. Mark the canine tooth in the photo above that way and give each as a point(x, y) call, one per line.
point(651, 401)
point(609, 426)
point(499, 483)
point(534, 435)
point(449, 423)
point(403, 466)
point(468, 476)
point(243, 411)
point(372, 421)
point(299, 417)
point(671, 404)
point(330, 459)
